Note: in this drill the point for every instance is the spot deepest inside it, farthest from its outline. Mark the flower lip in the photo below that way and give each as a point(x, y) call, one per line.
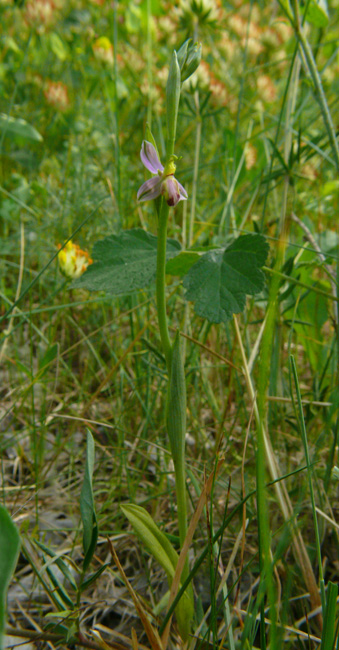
point(150, 158)
point(170, 190)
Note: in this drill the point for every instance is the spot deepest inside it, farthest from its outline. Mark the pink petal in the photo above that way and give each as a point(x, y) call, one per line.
point(183, 193)
point(150, 189)
point(149, 158)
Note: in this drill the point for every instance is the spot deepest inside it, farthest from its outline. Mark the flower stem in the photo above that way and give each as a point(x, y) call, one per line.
point(178, 459)
point(160, 284)
point(180, 487)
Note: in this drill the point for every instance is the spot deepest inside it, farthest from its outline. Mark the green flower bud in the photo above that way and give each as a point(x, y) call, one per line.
point(172, 101)
point(192, 61)
point(182, 53)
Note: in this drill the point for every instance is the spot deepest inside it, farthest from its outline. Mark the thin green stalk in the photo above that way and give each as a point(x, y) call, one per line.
point(280, 488)
point(149, 61)
point(116, 106)
point(195, 170)
point(309, 287)
point(313, 70)
point(309, 474)
point(180, 486)
point(161, 284)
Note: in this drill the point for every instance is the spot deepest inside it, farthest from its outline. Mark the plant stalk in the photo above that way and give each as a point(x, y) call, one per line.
point(161, 285)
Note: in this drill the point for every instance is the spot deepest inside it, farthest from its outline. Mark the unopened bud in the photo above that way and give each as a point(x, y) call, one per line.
point(172, 100)
point(182, 53)
point(192, 61)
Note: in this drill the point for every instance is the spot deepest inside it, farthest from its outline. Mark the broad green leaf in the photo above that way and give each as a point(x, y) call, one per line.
point(181, 264)
point(154, 540)
point(162, 550)
point(9, 551)
point(123, 263)
point(317, 13)
point(87, 508)
point(16, 126)
point(219, 282)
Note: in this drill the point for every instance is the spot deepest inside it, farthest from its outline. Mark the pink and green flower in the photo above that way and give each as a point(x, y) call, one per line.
point(162, 182)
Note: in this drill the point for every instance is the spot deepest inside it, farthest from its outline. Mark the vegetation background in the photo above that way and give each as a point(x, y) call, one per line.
point(78, 82)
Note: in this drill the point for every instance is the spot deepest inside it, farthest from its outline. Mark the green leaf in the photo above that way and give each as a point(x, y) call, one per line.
point(317, 13)
point(154, 540)
point(162, 550)
point(329, 629)
point(59, 561)
point(181, 264)
point(60, 589)
point(124, 263)
point(93, 577)
point(219, 281)
point(9, 551)
point(16, 126)
point(88, 515)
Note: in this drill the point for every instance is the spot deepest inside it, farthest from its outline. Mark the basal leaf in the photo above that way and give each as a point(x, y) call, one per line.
point(154, 539)
point(219, 282)
point(162, 550)
point(87, 508)
point(125, 262)
point(9, 551)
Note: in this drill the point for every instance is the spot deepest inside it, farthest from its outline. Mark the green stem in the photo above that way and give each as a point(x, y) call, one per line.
point(161, 285)
point(170, 147)
point(313, 70)
point(180, 486)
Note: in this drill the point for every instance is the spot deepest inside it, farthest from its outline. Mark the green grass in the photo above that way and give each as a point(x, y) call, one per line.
point(256, 133)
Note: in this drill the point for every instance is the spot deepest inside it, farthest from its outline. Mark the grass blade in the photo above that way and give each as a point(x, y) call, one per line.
point(88, 515)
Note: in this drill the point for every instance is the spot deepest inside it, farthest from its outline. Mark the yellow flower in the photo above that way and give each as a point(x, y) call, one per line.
point(103, 50)
point(73, 261)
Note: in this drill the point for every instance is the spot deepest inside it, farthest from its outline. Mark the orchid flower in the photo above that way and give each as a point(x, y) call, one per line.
point(162, 182)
